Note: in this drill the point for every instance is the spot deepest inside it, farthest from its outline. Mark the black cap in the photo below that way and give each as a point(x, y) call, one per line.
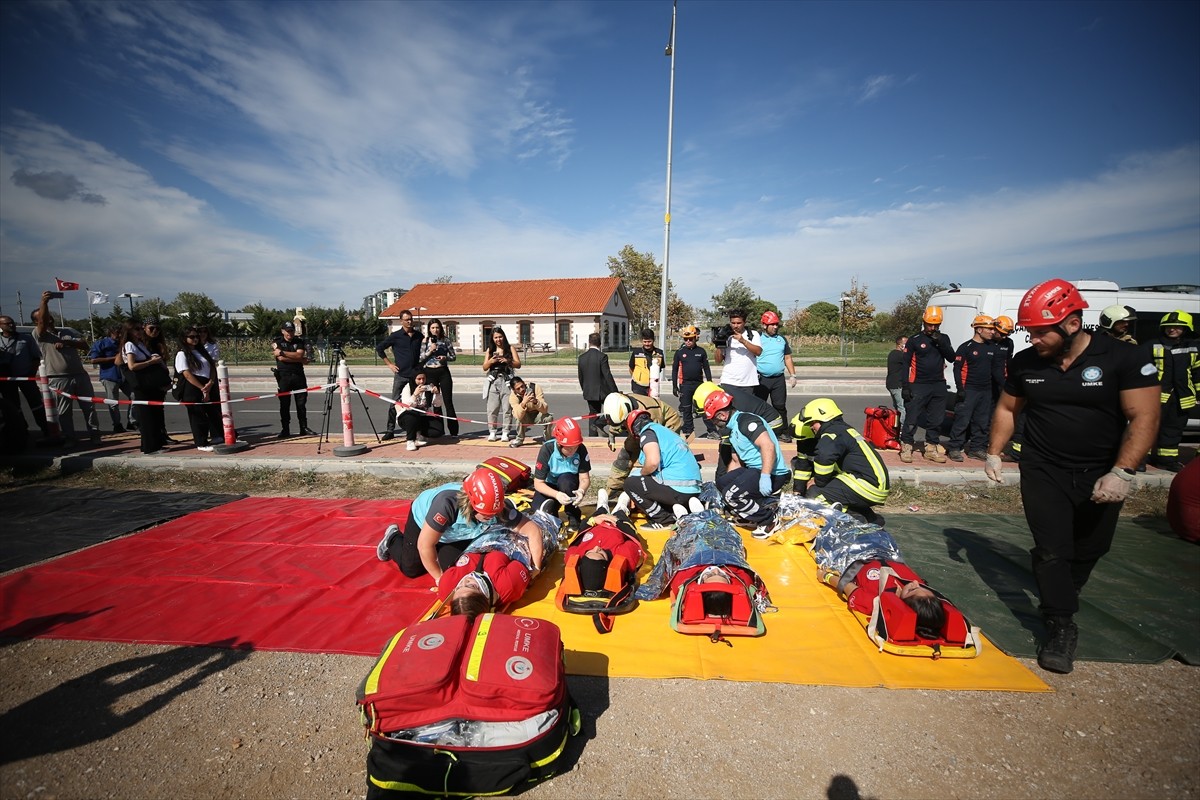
point(288, 326)
point(152, 321)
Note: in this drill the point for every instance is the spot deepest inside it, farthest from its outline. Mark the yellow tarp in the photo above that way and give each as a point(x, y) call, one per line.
point(812, 639)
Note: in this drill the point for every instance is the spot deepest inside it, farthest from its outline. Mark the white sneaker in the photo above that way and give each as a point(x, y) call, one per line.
point(421, 442)
point(761, 532)
point(493, 436)
point(205, 449)
point(679, 511)
point(694, 505)
point(411, 446)
point(602, 501)
point(622, 503)
point(504, 436)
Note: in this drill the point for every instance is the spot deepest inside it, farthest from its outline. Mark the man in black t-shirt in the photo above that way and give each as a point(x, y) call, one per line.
point(290, 356)
point(1090, 405)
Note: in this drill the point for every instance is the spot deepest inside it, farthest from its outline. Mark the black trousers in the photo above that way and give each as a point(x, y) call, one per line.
point(567, 483)
point(594, 423)
point(928, 405)
point(773, 389)
point(14, 390)
point(1170, 429)
point(205, 421)
point(151, 420)
point(972, 421)
point(739, 490)
point(687, 408)
point(290, 381)
point(442, 379)
point(1070, 532)
point(403, 551)
point(398, 382)
point(655, 498)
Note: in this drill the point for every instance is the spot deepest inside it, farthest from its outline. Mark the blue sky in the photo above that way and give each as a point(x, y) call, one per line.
point(311, 153)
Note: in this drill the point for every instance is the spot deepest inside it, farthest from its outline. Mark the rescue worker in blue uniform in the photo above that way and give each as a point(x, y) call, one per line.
point(562, 473)
point(755, 470)
point(846, 468)
point(774, 360)
point(928, 353)
point(443, 521)
point(978, 369)
point(1091, 411)
point(665, 482)
point(1178, 361)
point(689, 370)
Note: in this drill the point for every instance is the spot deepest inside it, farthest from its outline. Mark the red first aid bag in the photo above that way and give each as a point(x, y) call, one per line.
point(882, 428)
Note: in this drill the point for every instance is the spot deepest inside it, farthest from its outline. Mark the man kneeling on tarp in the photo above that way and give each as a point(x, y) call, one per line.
point(713, 589)
point(901, 612)
point(496, 569)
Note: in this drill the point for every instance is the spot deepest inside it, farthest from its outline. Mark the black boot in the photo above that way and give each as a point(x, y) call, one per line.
point(1058, 651)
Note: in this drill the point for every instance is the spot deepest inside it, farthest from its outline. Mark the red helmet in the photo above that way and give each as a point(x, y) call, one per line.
point(634, 416)
point(770, 318)
point(567, 433)
point(716, 402)
point(485, 491)
point(1049, 303)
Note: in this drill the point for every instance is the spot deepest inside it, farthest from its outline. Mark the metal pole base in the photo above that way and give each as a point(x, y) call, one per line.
point(236, 447)
point(352, 450)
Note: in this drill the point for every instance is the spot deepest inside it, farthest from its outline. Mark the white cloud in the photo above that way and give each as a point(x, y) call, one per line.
point(874, 86)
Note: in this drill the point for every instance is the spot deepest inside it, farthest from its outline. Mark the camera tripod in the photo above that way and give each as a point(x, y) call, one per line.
point(336, 356)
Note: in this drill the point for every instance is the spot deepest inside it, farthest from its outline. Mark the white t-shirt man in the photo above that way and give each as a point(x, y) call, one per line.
point(741, 364)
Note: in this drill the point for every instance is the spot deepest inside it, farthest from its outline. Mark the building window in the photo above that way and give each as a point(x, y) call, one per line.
point(564, 332)
point(526, 329)
point(606, 339)
point(452, 331)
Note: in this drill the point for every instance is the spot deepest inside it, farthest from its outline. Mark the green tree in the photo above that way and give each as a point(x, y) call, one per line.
point(265, 321)
point(444, 279)
point(679, 314)
point(735, 295)
point(194, 308)
point(906, 314)
point(642, 277)
point(857, 309)
point(818, 319)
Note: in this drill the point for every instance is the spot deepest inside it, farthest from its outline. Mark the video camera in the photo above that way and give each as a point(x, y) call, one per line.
point(722, 334)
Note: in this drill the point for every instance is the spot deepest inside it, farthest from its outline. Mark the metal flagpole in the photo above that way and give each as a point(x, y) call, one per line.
point(91, 324)
point(666, 281)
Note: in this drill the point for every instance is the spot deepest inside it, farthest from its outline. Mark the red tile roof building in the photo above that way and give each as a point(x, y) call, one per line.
point(525, 309)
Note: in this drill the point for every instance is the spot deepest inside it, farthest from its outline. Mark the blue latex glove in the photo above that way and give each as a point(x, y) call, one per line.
point(764, 485)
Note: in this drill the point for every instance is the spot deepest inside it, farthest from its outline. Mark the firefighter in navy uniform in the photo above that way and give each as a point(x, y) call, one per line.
point(846, 467)
point(290, 353)
point(978, 369)
point(1091, 410)
point(928, 353)
point(1118, 321)
point(689, 370)
point(802, 463)
point(1178, 361)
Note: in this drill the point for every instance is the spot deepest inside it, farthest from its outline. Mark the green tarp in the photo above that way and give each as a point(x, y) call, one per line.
point(1142, 604)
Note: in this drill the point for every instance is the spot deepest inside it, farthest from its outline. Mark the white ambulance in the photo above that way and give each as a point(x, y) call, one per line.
point(961, 305)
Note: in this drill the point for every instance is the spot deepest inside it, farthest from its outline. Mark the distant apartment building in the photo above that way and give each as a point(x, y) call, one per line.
point(374, 305)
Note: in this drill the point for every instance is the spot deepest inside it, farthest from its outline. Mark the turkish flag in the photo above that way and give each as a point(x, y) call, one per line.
point(66, 286)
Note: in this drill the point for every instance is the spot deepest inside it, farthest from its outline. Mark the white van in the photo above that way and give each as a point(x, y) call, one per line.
point(960, 307)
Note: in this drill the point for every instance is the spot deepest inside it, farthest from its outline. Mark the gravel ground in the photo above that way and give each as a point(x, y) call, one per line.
point(103, 720)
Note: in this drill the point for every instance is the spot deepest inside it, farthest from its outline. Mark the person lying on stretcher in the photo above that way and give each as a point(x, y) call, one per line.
point(601, 567)
point(859, 586)
point(497, 568)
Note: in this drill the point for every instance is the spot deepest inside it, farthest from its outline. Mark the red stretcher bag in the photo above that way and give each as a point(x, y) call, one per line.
point(882, 428)
point(461, 707)
point(514, 474)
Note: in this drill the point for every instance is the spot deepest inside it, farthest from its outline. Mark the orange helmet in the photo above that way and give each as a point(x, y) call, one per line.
point(485, 491)
point(1004, 325)
point(770, 318)
point(983, 321)
point(1049, 303)
point(717, 401)
point(567, 433)
point(932, 316)
point(690, 332)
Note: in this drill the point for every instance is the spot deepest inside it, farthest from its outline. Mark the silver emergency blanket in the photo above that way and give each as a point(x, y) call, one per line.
point(514, 545)
point(702, 539)
point(842, 539)
point(474, 733)
point(710, 496)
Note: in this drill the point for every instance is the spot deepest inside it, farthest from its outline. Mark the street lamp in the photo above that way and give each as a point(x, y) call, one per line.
point(554, 297)
point(130, 295)
point(842, 328)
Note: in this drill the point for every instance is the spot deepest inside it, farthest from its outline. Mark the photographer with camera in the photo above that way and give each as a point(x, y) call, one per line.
point(529, 408)
point(500, 359)
point(418, 397)
point(738, 348)
point(65, 370)
point(405, 345)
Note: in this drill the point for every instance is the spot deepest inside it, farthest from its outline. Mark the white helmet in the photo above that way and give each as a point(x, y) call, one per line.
point(616, 407)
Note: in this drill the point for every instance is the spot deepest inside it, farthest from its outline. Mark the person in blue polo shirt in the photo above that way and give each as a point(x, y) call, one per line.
point(775, 359)
point(757, 470)
point(665, 482)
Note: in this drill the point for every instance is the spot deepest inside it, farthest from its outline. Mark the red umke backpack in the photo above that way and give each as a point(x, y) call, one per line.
point(881, 429)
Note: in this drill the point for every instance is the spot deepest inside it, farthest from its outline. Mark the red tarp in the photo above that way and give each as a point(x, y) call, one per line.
point(266, 573)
